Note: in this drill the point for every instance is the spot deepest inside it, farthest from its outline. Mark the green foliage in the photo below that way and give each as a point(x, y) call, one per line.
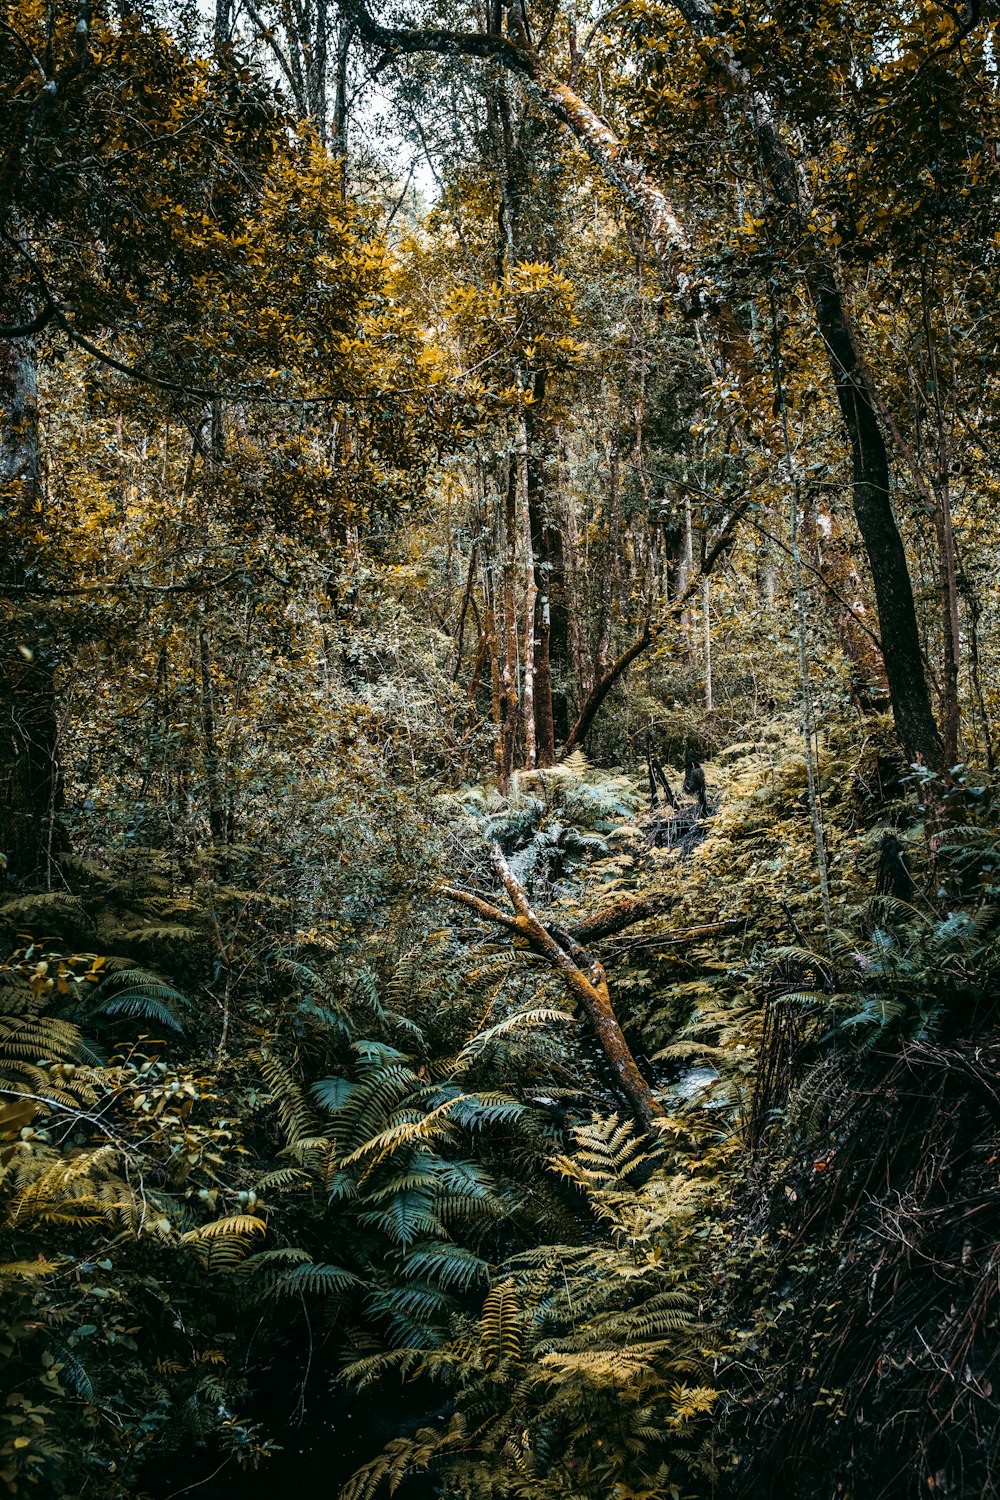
point(582, 1376)
point(327, 512)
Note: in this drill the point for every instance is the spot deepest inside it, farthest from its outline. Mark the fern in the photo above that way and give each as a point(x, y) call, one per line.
point(314, 1279)
point(223, 1244)
point(448, 1266)
point(500, 1332)
point(297, 1119)
point(139, 993)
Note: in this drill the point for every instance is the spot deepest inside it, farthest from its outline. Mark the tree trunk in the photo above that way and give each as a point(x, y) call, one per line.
point(510, 700)
point(651, 631)
point(898, 628)
point(316, 69)
point(707, 627)
point(29, 780)
point(605, 682)
point(546, 547)
point(530, 600)
point(685, 567)
point(470, 580)
point(950, 708)
point(223, 27)
point(951, 666)
point(213, 788)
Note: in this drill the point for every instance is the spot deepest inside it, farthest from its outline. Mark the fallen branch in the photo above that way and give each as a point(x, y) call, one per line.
point(651, 632)
point(625, 914)
point(582, 974)
point(679, 936)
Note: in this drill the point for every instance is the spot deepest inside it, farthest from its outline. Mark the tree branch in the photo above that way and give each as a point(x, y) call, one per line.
point(25, 330)
point(479, 906)
point(602, 145)
point(624, 914)
point(651, 631)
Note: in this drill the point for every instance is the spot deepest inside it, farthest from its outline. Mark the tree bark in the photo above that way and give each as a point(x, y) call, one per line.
point(510, 698)
point(530, 601)
point(545, 546)
point(594, 700)
point(898, 628)
point(213, 780)
point(615, 919)
point(707, 630)
point(470, 580)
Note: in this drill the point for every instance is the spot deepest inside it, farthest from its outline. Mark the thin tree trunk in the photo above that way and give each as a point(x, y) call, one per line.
point(575, 605)
point(812, 779)
point(509, 653)
point(951, 663)
point(685, 566)
point(338, 140)
point(496, 694)
point(530, 600)
point(707, 625)
point(464, 610)
point(545, 724)
point(602, 644)
point(213, 791)
point(951, 666)
point(651, 631)
point(974, 613)
point(316, 69)
point(545, 545)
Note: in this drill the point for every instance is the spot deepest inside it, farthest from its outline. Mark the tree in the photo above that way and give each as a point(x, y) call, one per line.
point(787, 181)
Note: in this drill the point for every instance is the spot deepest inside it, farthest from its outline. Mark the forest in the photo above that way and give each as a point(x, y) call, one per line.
point(499, 702)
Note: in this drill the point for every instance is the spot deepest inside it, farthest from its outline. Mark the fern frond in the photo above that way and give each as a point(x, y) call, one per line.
point(501, 1334)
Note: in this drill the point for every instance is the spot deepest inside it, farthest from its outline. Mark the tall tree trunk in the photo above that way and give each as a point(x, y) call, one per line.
point(898, 628)
point(651, 631)
point(29, 778)
point(510, 697)
point(577, 664)
point(951, 664)
point(606, 601)
point(223, 28)
point(213, 788)
point(685, 566)
point(316, 69)
point(707, 629)
point(530, 600)
point(470, 581)
point(974, 615)
point(545, 547)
